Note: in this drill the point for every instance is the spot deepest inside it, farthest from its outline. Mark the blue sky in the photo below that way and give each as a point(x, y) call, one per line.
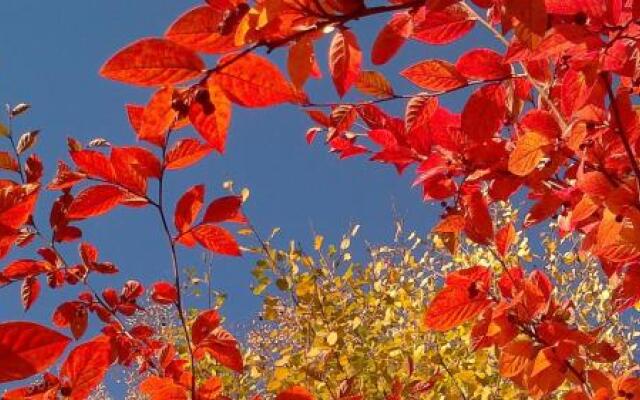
point(50, 53)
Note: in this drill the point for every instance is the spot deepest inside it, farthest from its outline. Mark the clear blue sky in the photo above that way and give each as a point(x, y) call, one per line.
point(50, 53)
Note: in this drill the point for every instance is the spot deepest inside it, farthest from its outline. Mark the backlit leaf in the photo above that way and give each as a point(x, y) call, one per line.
point(435, 75)
point(94, 201)
point(27, 349)
point(345, 60)
point(153, 62)
point(253, 81)
point(216, 239)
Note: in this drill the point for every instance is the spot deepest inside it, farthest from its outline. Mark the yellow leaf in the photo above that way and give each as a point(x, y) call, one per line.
point(4, 131)
point(332, 338)
point(317, 242)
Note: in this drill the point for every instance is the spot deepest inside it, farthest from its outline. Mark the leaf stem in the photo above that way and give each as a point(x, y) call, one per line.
point(175, 266)
point(620, 130)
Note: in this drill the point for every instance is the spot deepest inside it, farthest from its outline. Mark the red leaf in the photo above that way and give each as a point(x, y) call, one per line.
point(253, 81)
point(93, 163)
point(188, 207)
point(223, 347)
point(453, 306)
point(295, 393)
point(72, 314)
point(224, 209)
point(529, 20)
point(140, 159)
point(484, 113)
point(478, 222)
point(211, 389)
point(23, 268)
point(198, 29)
point(211, 116)
point(435, 75)
point(391, 38)
point(483, 64)
point(94, 201)
point(345, 60)
point(45, 390)
point(185, 153)
point(162, 389)
point(85, 368)
point(627, 291)
point(444, 26)
point(27, 349)
point(216, 239)
point(505, 237)
point(164, 293)
point(204, 324)
point(134, 113)
point(153, 62)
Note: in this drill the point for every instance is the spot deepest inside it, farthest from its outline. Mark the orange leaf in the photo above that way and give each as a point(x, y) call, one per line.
point(85, 367)
point(345, 60)
point(153, 62)
point(435, 75)
point(391, 38)
point(216, 239)
point(253, 81)
point(516, 357)
point(453, 306)
point(528, 153)
point(295, 393)
point(162, 389)
point(198, 29)
point(27, 349)
point(188, 207)
point(158, 117)
point(94, 201)
point(185, 153)
point(373, 83)
point(547, 373)
point(210, 389)
point(211, 116)
point(301, 62)
point(8, 162)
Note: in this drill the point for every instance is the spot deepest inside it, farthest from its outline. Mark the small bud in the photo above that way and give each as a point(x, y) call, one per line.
point(73, 144)
point(19, 109)
point(26, 141)
point(99, 142)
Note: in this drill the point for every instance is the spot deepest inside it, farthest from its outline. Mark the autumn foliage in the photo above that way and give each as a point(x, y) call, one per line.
point(551, 116)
